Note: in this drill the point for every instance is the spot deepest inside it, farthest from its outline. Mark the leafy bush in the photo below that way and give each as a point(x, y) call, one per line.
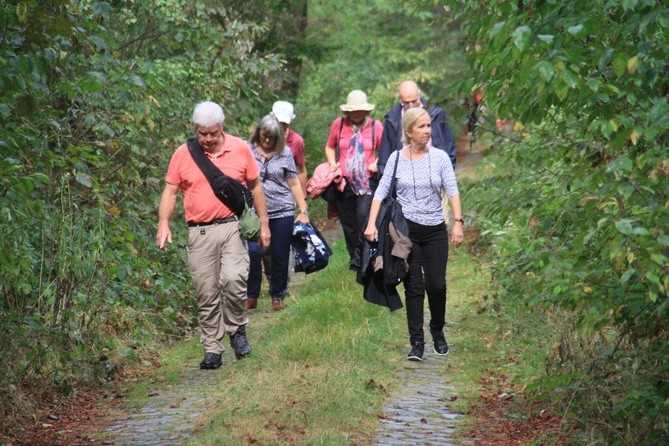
point(94, 98)
point(577, 206)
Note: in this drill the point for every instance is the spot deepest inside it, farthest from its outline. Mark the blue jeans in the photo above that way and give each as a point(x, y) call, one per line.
point(281, 231)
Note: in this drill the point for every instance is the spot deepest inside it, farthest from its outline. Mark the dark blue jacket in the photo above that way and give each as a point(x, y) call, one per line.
point(310, 249)
point(442, 137)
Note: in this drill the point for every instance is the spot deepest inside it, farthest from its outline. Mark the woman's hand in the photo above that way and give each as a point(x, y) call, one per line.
point(333, 166)
point(371, 233)
point(457, 235)
point(302, 218)
point(265, 234)
point(373, 167)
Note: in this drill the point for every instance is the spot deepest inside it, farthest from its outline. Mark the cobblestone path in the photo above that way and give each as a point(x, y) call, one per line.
point(417, 413)
point(170, 417)
point(172, 413)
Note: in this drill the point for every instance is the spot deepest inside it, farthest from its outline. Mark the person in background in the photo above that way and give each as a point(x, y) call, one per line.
point(282, 189)
point(357, 138)
point(410, 97)
point(217, 254)
point(284, 113)
point(423, 173)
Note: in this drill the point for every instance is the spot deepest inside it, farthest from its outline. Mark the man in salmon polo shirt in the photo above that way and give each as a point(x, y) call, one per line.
point(218, 256)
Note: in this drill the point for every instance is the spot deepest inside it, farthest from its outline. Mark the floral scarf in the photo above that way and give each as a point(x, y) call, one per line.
point(358, 177)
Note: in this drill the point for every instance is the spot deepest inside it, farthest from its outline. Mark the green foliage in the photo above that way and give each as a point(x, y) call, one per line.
point(94, 97)
point(576, 209)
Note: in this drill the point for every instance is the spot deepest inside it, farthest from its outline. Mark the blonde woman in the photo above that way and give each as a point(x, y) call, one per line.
point(423, 172)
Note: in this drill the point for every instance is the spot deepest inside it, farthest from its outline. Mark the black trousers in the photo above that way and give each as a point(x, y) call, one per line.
point(353, 211)
point(427, 273)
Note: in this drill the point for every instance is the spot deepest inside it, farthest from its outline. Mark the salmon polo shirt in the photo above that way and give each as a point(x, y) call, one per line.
point(200, 202)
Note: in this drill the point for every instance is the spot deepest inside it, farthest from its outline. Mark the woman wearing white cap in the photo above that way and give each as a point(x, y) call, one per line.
point(285, 113)
point(352, 146)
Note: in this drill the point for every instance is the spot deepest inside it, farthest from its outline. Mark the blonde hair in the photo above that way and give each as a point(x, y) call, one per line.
point(409, 119)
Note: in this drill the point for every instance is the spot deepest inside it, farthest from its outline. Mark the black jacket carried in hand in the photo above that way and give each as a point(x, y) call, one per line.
point(382, 265)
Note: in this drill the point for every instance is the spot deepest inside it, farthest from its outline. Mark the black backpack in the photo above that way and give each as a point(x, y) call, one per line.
point(231, 192)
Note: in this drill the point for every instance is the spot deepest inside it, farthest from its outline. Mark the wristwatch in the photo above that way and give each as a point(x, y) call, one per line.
point(460, 220)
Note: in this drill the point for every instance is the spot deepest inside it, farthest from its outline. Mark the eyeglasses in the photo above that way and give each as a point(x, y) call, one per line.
point(412, 103)
point(263, 136)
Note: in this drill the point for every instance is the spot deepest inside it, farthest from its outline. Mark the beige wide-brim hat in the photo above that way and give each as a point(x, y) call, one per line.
point(356, 100)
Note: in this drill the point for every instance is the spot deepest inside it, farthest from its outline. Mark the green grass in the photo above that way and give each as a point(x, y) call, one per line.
point(321, 369)
point(318, 368)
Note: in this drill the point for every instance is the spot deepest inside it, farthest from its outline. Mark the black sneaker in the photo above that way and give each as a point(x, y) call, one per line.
point(211, 361)
point(440, 346)
point(416, 353)
point(239, 343)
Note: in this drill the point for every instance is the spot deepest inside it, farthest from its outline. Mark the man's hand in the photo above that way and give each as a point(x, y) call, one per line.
point(164, 234)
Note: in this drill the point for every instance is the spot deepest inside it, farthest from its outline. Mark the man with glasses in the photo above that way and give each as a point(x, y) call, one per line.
point(410, 97)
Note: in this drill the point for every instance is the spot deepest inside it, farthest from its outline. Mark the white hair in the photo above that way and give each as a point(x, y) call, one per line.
point(208, 114)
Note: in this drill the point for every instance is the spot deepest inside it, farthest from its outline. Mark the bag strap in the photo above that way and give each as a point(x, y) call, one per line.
point(373, 128)
point(393, 181)
point(205, 164)
point(341, 126)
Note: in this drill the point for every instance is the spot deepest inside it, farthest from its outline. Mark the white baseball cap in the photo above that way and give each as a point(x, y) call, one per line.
point(283, 111)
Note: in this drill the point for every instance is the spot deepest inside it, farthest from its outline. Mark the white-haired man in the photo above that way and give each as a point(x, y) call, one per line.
point(218, 257)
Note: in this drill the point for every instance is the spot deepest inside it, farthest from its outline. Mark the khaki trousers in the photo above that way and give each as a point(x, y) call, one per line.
point(218, 259)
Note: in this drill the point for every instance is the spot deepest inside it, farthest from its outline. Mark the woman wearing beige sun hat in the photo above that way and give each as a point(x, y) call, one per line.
point(352, 146)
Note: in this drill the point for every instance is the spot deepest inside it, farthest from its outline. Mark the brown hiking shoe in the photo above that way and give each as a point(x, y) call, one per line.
point(278, 304)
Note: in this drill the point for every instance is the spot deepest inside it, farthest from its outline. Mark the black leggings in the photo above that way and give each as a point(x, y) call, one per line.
point(353, 211)
point(427, 273)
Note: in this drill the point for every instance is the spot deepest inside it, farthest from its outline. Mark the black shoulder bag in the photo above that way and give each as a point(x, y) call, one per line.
point(231, 192)
point(394, 268)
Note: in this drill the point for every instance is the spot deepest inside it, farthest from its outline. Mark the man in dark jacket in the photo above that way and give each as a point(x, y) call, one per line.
point(410, 97)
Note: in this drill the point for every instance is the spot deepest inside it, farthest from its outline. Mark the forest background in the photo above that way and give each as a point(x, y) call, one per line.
point(573, 209)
